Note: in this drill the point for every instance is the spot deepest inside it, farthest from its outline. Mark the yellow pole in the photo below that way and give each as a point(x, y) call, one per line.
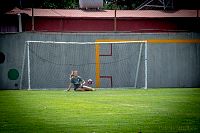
point(97, 52)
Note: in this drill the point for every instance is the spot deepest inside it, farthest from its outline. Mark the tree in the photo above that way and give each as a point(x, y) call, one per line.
point(121, 4)
point(63, 4)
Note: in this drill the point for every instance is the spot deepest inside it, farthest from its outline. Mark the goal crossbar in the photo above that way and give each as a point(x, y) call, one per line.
point(97, 42)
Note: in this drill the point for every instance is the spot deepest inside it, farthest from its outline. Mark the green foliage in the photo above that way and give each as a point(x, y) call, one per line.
point(61, 4)
point(121, 4)
point(111, 111)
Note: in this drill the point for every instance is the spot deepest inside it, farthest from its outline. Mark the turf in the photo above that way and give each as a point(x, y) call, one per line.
point(122, 110)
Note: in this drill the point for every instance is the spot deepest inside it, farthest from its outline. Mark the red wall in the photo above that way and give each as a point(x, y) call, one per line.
point(88, 25)
point(106, 25)
point(145, 25)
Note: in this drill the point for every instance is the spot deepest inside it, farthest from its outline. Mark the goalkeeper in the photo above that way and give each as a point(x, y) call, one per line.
point(78, 83)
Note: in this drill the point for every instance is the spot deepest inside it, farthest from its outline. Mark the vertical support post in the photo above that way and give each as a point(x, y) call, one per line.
point(29, 74)
point(23, 64)
point(164, 4)
point(138, 65)
point(33, 22)
point(19, 22)
point(115, 17)
point(115, 21)
point(146, 65)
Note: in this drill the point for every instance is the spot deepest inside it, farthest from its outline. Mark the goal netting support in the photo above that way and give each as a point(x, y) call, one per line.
point(116, 64)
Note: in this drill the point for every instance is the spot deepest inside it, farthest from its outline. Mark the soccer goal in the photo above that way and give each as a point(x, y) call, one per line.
point(117, 64)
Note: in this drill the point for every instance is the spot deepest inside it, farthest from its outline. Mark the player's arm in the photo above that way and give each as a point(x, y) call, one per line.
point(82, 81)
point(70, 84)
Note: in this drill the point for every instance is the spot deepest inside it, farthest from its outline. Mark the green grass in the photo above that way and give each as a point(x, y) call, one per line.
point(128, 110)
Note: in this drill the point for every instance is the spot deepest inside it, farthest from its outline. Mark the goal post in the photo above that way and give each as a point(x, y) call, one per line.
point(29, 62)
point(146, 65)
point(29, 67)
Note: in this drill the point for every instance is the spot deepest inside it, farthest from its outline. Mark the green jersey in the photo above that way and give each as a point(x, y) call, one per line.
point(76, 80)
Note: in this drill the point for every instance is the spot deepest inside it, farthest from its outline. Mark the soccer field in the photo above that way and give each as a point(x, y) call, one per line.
point(111, 111)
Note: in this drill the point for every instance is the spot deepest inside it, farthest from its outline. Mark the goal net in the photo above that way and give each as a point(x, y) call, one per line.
point(113, 64)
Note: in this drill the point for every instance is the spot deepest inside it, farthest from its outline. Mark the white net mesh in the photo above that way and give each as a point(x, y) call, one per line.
point(51, 63)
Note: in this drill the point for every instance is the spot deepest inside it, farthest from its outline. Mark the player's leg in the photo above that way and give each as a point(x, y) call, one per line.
point(80, 89)
point(87, 88)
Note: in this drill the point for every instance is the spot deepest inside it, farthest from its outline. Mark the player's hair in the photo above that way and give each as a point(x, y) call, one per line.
point(72, 73)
